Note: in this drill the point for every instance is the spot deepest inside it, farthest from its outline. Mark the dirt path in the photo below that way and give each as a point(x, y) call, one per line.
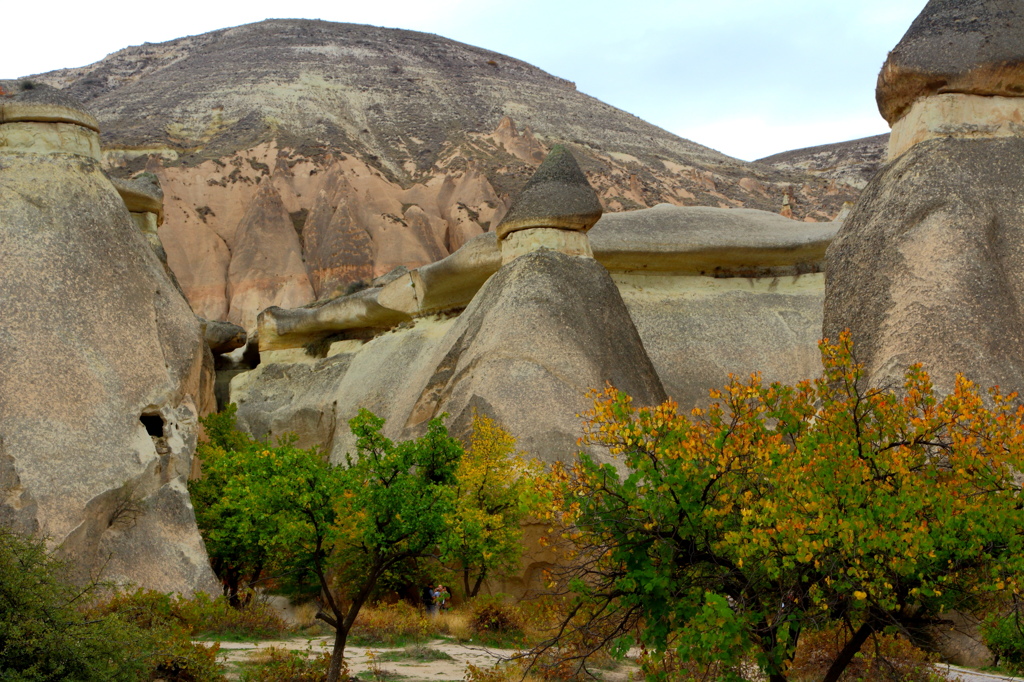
point(404, 668)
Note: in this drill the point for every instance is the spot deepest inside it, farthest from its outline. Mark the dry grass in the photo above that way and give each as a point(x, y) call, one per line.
point(454, 624)
point(305, 615)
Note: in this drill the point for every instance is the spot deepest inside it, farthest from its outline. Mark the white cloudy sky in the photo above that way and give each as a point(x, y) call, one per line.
point(747, 77)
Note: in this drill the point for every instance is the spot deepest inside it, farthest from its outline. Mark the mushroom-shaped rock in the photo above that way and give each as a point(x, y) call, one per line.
point(142, 194)
point(224, 337)
point(39, 103)
point(962, 46)
point(449, 283)
point(928, 266)
point(558, 196)
point(958, 72)
point(701, 240)
point(282, 328)
point(39, 119)
point(103, 369)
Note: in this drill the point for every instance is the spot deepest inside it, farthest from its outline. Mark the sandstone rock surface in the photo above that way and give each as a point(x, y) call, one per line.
point(223, 337)
point(716, 291)
point(971, 47)
point(699, 330)
point(103, 374)
point(928, 266)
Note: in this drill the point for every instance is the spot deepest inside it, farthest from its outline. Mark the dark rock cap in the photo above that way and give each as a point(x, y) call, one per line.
point(141, 194)
point(31, 101)
point(557, 196)
point(963, 46)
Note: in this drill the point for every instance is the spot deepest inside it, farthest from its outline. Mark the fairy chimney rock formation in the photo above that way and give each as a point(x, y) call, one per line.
point(956, 73)
point(553, 212)
point(103, 370)
point(927, 267)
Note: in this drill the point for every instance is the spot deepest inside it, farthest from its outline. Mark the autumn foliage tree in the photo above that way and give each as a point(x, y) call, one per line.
point(492, 498)
point(782, 508)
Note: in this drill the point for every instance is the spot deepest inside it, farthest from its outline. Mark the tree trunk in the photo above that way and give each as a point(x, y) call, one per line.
point(479, 582)
point(338, 655)
point(849, 651)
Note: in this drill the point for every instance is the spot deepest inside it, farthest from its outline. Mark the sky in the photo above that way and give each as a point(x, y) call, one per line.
point(749, 78)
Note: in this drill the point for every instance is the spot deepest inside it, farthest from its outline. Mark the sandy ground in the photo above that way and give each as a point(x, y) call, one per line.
point(964, 675)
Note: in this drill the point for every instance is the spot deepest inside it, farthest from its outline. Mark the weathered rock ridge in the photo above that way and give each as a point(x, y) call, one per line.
point(852, 163)
point(377, 147)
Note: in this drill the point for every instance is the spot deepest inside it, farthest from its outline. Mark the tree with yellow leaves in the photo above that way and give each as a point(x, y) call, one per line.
point(786, 507)
point(493, 497)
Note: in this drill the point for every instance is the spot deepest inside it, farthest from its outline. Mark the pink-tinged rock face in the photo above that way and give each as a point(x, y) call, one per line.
point(266, 261)
point(265, 227)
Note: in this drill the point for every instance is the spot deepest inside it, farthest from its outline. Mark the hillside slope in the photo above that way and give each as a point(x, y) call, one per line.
point(299, 156)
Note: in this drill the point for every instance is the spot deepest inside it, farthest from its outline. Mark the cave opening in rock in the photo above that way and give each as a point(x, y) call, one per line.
point(154, 424)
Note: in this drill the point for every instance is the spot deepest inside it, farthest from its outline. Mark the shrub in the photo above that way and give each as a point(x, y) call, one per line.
point(159, 619)
point(1004, 636)
point(494, 615)
point(390, 625)
point(46, 634)
point(886, 657)
point(281, 665)
point(201, 616)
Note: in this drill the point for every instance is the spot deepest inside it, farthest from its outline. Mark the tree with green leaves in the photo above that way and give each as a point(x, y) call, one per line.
point(781, 508)
point(493, 496)
point(346, 524)
point(235, 539)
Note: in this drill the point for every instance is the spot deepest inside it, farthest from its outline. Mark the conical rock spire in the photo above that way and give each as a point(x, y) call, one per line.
point(557, 196)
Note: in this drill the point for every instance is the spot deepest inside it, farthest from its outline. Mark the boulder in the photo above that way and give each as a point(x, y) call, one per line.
point(103, 367)
point(929, 266)
point(973, 47)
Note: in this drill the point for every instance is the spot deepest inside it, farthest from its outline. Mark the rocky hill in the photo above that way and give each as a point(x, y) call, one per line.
point(852, 163)
point(298, 157)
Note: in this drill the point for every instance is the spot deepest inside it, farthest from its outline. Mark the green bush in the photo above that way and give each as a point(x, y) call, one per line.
point(44, 635)
point(165, 628)
point(1004, 636)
